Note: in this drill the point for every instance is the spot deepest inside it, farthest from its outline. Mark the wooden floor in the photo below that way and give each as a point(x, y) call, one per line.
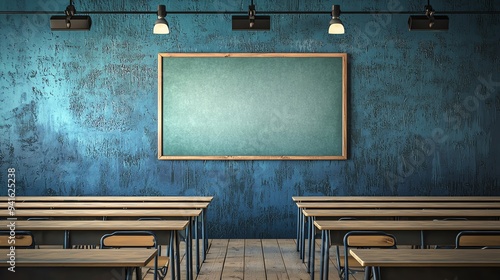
point(256, 259)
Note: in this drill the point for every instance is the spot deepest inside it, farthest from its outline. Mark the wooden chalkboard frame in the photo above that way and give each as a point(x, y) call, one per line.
point(161, 97)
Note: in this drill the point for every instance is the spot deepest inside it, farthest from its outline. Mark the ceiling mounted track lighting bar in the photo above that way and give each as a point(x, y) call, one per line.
point(344, 12)
point(249, 20)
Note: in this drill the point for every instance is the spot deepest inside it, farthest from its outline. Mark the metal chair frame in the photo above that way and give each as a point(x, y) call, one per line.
point(374, 270)
point(158, 272)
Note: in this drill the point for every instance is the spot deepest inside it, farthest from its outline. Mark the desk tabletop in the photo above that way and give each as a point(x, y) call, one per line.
point(393, 198)
point(97, 225)
point(79, 258)
point(112, 198)
point(107, 205)
point(406, 225)
point(102, 213)
point(399, 205)
point(428, 257)
point(401, 212)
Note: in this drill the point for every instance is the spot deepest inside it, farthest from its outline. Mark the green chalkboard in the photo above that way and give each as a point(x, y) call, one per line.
point(252, 106)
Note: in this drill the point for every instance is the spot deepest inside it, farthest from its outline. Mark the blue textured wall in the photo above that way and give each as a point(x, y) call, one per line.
point(78, 110)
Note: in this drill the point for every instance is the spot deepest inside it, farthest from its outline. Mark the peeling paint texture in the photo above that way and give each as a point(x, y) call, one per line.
point(78, 113)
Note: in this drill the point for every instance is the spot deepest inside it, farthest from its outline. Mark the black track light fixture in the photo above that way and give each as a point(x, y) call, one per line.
point(429, 21)
point(70, 21)
point(252, 21)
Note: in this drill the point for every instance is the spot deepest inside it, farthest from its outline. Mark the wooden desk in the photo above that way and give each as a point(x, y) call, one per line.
point(107, 205)
point(313, 214)
point(398, 205)
point(111, 198)
point(76, 205)
point(79, 232)
point(104, 213)
point(69, 232)
point(406, 232)
point(391, 225)
point(359, 201)
point(61, 264)
point(202, 219)
point(190, 214)
point(394, 198)
point(398, 213)
point(431, 264)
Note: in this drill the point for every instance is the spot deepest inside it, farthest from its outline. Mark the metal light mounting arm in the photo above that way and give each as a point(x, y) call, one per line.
point(251, 15)
point(429, 12)
point(70, 12)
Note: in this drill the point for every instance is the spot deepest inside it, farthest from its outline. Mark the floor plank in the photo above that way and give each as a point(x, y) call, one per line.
point(273, 260)
point(295, 269)
point(214, 264)
point(234, 264)
point(254, 260)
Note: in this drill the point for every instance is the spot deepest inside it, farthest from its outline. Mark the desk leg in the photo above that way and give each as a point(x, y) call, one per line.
point(189, 250)
point(298, 230)
point(309, 244)
point(138, 273)
point(307, 231)
point(197, 235)
point(303, 237)
point(327, 255)
point(172, 253)
point(204, 235)
point(322, 254)
point(312, 247)
point(67, 240)
point(422, 241)
point(177, 256)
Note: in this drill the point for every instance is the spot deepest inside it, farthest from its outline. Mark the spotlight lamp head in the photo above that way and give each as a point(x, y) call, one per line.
point(336, 25)
point(161, 24)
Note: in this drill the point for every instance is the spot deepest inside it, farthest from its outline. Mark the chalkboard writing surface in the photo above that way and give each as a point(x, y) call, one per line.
point(249, 106)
